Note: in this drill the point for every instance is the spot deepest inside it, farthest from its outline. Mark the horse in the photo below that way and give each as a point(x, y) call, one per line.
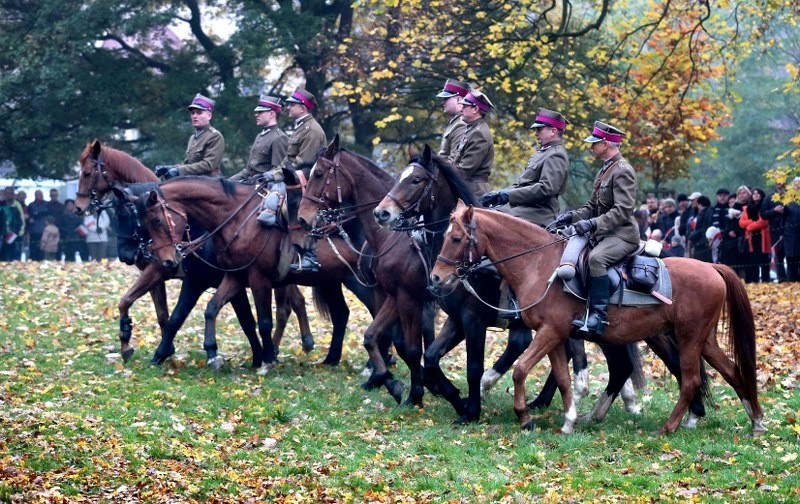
point(104, 168)
point(425, 193)
point(526, 256)
point(248, 253)
point(400, 273)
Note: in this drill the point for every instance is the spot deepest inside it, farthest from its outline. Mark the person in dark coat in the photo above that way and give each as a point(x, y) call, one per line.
point(697, 228)
point(775, 218)
point(791, 235)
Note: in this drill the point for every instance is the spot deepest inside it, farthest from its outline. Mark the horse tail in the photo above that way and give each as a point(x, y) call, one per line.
point(321, 303)
point(637, 373)
point(738, 315)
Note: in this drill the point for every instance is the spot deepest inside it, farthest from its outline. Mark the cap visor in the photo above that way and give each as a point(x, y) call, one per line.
point(292, 99)
point(446, 94)
point(261, 109)
point(198, 107)
point(592, 139)
point(539, 125)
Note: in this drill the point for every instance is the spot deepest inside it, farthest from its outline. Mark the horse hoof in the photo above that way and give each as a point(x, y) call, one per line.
point(465, 419)
point(413, 402)
point(307, 341)
point(330, 362)
point(127, 354)
point(216, 363)
point(528, 426)
point(395, 388)
point(264, 369)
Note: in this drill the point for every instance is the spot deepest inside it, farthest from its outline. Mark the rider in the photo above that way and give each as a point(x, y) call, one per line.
point(206, 145)
point(266, 156)
point(535, 195)
point(305, 142)
point(608, 216)
point(474, 156)
point(450, 95)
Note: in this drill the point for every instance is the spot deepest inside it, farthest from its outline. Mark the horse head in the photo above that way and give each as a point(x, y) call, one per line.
point(413, 185)
point(166, 223)
point(461, 248)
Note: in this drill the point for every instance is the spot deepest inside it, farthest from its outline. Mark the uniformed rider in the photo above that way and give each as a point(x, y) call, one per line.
point(451, 95)
point(608, 218)
point(474, 156)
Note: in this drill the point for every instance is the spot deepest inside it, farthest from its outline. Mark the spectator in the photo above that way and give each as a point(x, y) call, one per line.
point(697, 230)
point(756, 238)
point(772, 210)
point(26, 236)
point(72, 242)
point(667, 218)
point(97, 234)
point(676, 248)
point(48, 241)
point(652, 210)
point(641, 222)
point(791, 236)
point(720, 220)
point(15, 227)
point(56, 209)
point(37, 211)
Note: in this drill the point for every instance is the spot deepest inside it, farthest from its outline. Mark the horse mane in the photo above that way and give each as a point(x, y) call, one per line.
point(127, 166)
point(451, 175)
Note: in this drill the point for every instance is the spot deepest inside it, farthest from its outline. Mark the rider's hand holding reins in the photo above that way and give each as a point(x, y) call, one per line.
point(585, 226)
point(563, 219)
point(495, 198)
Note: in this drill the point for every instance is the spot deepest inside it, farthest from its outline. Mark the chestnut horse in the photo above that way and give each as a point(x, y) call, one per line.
point(526, 255)
point(249, 253)
point(104, 168)
point(422, 198)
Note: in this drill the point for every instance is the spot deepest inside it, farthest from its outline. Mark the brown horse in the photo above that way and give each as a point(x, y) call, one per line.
point(104, 168)
point(249, 253)
point(526, 257)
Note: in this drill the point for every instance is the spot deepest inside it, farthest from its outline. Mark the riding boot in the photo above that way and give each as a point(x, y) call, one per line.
point(308, 261)
point(512, 305)
point(598, 307)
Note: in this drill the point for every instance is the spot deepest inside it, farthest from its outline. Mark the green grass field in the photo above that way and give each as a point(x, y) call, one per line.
point(78, 425)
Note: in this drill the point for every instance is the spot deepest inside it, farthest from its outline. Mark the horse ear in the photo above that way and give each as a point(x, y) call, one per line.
point(426, 154)
point(412, 151)
point(96, 147)
point(469, 214)
point(152, 198)
point(333, 147)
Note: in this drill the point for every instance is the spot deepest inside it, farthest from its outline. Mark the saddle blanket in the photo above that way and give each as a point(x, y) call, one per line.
point(622, 296)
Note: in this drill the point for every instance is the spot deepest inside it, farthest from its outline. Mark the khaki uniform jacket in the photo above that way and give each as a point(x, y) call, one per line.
point(305, 142)
point(474, 156)
point(267, 153)
point(204, 153)
point(535, 195)
point(451, 137)
point(613, 201)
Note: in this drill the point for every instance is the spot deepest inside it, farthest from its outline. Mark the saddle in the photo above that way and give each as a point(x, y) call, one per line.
point(640, 279)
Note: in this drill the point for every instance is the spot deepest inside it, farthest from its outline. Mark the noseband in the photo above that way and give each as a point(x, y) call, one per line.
point(467, 260)
point(413, 209)
point(175, 238)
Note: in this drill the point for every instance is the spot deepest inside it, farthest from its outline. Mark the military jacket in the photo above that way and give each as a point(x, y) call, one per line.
point(474, 156)
point(535, 195)
point(613, 201)
point(305, 142)
point(267, 153)
point(204, 153)
point(451, 137)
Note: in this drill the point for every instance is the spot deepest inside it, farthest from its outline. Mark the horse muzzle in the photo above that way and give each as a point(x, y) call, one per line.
point(384, 216)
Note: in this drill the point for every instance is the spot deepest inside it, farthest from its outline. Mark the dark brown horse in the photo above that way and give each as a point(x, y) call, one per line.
point(104, 168)
point(249, 253)
point(526, 256)
point(422, 198)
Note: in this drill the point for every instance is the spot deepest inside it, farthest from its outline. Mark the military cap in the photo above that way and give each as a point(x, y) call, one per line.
point(302, 96)
point(475, 97)
point(603, 131)
point(202, 102)
point(268, 103)
point(545, 117)
point(453, 88)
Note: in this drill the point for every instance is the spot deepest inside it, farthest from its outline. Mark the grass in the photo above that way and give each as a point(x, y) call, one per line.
point(77, 425)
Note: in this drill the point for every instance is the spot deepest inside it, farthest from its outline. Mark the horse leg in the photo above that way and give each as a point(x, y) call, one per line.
point(620, 368)
point(666, 348)
point(283, 310)
point(261, 288)
point(159, 296)
point(540, 346)
point(333, 297)
point(190, 293)
point(386, 316)
point(147, 280)
point(575, 351)
point(229, 286)
point(476, 348)
point(241, 306)
point(298, 301)
point(434, 379)
point(411, 319)
point(558, 361)
point(429, 323)
point(519, 337)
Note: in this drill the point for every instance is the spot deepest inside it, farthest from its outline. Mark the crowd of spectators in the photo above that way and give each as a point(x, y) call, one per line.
point(50, 230)
point(748, 230)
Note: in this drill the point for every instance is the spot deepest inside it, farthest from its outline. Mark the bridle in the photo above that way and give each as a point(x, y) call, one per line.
point(465, 264)
point(410, 212)
point(98, 171)
point(181, 247)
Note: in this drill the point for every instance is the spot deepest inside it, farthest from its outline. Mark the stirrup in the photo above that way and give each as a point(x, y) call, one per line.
point(513, 312)
point(305, 264)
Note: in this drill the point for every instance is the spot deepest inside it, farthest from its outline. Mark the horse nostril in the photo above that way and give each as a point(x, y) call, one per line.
point(169, 264)
point(381, 214)
point(435, 279)
point(304, 223)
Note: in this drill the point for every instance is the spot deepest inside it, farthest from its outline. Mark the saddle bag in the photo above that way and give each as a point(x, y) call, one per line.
point(642, 274)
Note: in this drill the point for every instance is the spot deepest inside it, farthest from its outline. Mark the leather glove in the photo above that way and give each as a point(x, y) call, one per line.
point(563, 219)
point(585, 226)
point(162, 170)
point(172, 173)
point(495, 198)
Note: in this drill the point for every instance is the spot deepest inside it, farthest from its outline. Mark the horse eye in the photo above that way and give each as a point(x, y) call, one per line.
point(456, 239)
point(416, 180)
point(156, 222)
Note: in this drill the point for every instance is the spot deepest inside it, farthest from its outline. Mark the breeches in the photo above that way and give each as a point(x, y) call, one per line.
point(610, 250)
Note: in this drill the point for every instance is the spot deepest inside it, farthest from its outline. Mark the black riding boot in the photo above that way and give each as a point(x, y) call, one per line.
point(598, 306)
point(308, 261)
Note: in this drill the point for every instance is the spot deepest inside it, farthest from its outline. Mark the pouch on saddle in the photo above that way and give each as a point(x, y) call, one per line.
point(638, 280)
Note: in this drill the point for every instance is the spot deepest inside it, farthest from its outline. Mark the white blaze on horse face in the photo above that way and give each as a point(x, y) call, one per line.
point(311, 173)
point(449, 228)
point(406, 173)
